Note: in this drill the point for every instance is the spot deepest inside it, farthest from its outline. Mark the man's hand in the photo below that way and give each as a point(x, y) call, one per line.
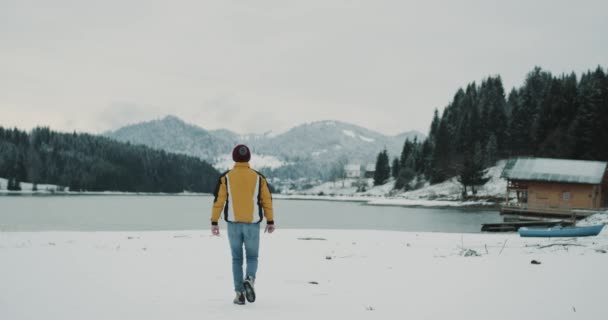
point(269, 228)
point(215, 230)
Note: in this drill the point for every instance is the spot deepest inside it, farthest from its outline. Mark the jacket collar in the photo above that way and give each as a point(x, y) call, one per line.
point(241, 164)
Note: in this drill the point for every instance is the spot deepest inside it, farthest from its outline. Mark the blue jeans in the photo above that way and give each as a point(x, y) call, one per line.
point(247, 234)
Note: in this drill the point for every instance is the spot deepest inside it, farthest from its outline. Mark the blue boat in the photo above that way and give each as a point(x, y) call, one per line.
point(561, 231)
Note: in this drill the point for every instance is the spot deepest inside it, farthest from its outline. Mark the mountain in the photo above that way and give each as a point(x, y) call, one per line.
point(309, 150)
point(174, 135)
point(332, 139)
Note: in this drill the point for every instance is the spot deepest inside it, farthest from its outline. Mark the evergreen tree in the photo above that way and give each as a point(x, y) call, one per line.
point(498, 121)
point(519, 127)
point(473, 173)
point(440, 159)
point(491, 152)
point(383, 169)
point(408, 148)
point(406, 175)
point(588, 129)
point(547, 116)
point(395, 168)
point(478, 173)
point(87, 162)
point(533, 93)
point(417, 157)
point(409, 168)
point(426, 154)
point(13, 184)
point(465, 177)
point(434, 125)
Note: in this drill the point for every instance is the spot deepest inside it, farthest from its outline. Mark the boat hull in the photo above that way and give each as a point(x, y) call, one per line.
point(561, 232)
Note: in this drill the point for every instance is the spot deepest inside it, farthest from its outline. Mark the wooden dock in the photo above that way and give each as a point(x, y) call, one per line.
point(546, 212)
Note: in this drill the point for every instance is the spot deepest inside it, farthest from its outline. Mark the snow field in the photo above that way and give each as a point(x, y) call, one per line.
point(303, 274)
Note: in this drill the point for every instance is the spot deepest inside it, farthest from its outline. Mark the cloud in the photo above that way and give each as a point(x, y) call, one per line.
point(119, 114)
point(248, 67)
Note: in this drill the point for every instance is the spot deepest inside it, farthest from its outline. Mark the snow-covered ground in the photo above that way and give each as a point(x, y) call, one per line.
point(427, 203)
point(27, 187)
point(349, 187)
point(44, 189)
point(303, 274)
point(342, 187)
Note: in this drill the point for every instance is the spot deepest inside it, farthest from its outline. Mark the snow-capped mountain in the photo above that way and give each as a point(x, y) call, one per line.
point(331, 140)
point(308, 150)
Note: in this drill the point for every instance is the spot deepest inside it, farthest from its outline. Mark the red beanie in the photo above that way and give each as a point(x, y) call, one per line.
point(241, 153)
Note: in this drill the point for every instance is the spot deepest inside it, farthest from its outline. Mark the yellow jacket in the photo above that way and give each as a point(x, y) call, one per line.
point(242, 195)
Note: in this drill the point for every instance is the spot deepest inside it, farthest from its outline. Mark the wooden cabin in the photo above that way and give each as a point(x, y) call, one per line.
point(555, 187)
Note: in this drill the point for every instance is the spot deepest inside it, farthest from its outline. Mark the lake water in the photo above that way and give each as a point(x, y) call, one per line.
point(135, 213)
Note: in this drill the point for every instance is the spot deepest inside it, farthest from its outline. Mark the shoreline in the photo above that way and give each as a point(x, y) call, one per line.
point(96, 193)
point(364, 200)
point(397, 202)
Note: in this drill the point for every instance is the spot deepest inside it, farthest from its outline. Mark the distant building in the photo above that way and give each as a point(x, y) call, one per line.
point(553, 187)
point(370, 169)
point(352, 170)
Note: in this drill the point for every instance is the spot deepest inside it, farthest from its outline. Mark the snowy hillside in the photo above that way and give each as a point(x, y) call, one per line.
point(452, 189)
point(447, 193)
point(328, 141)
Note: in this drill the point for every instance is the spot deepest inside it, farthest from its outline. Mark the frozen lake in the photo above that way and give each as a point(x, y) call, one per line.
point(141, 213)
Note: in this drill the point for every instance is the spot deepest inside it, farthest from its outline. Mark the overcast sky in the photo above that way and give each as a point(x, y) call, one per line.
point(255, 66)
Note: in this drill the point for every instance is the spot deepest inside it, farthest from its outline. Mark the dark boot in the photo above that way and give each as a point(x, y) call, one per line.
point(249, 290)
point(239, 299)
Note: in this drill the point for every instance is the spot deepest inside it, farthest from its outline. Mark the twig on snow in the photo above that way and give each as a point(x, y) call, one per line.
point(503, 246)
point(560, 244)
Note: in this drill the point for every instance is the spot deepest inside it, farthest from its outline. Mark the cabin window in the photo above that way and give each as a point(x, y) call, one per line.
point(566, 196)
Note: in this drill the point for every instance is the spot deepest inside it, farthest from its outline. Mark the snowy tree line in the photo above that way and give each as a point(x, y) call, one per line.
point(85, 162)
point(548, 116)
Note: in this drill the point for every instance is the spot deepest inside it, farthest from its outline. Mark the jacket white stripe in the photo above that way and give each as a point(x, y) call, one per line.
point(230, 202)
point(256, 197)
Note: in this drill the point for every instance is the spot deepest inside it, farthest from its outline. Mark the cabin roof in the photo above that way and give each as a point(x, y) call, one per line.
point(555, 170)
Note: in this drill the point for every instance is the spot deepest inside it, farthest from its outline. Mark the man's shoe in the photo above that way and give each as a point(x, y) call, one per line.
point(239, 299)
point(249, 290)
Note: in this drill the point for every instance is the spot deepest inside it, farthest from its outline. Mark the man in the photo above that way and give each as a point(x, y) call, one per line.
point(243, 197)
